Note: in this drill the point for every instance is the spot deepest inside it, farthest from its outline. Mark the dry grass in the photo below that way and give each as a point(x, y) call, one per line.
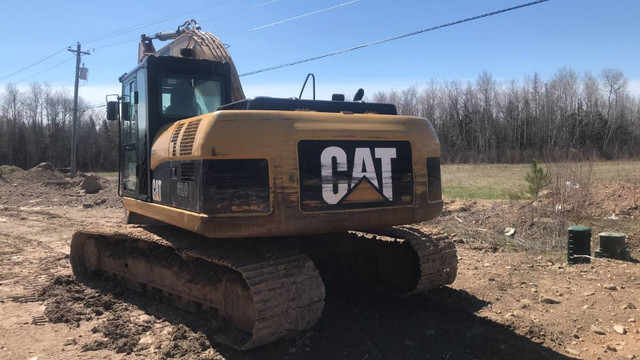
point(584, 193)
point(108, 174)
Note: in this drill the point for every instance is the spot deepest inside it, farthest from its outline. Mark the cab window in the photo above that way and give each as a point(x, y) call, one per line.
point(184, 96)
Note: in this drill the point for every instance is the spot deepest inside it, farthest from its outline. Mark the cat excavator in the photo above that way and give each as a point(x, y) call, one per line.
point(237, 206)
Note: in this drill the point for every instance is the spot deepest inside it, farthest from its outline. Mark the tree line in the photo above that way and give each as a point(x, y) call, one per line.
point(568, 115)
point(36, 124)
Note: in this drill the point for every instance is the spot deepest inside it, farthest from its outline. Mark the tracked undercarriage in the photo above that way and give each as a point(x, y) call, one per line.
point(266, 289)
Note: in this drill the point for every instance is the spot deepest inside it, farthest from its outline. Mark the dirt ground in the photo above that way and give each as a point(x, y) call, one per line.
point(515, 297)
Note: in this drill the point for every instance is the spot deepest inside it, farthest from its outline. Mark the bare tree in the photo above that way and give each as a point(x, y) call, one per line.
point(616, 85)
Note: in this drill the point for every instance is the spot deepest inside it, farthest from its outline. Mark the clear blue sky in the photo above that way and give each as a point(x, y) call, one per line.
point(582, 34)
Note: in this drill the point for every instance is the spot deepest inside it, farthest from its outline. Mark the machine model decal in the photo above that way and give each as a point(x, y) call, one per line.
point(338, 175)
point(157, 190)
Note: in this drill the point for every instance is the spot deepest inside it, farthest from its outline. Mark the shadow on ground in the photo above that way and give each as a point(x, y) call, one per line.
point(363, 324)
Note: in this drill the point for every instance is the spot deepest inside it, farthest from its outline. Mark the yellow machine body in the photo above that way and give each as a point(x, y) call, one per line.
point(274, 136)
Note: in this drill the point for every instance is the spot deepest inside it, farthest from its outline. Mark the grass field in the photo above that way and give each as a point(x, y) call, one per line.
point(506, 181)
point(108, 174)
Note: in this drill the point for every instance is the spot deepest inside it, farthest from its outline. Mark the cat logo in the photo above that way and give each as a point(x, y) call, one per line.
point(354, 174)
point(365, 184)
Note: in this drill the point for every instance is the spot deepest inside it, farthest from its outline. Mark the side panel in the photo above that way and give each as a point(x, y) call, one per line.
point(178, 184)
point(214, 187)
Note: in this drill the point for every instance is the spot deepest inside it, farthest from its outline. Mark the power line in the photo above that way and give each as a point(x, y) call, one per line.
point(304, 15)
point(238, 11)
point(263, 4)
point(47, 69)
point(116, 44)
point(110, 35)
point(32, 65)
point(199, 22)
point(116, 33)
point(395, 37)
point(149, 23)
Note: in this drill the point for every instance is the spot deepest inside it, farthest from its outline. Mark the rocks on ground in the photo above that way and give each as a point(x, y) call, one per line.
point(619, 329)
point(90, 184)
point(598, 330)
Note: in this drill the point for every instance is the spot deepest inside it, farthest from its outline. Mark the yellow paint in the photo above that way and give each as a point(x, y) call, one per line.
point(274, 135)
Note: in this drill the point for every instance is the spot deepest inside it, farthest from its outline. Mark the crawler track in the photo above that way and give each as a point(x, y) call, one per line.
point(438, 259)
point(263, 292)
point(401, 260)
point(265, 288)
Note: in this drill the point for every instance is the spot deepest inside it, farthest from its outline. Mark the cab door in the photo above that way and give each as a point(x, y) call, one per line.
point(130, 147)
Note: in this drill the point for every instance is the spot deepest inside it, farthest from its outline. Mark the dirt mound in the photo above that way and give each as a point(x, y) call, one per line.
point(40, 174)
point(120, 333)
point(69, 302)
point(185, 344)
point(9, 169)
point(43, 186)
point(620, 199)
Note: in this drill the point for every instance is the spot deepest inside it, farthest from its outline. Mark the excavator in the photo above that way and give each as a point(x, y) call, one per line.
point(234, 206)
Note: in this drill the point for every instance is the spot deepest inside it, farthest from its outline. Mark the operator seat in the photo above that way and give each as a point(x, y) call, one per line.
point(182, 103)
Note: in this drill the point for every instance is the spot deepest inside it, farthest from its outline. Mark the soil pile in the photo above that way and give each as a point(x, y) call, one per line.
point(9, 169)
point(69, 302)
point(43, 186)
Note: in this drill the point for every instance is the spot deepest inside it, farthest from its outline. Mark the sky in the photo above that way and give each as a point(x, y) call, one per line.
point(586, 35)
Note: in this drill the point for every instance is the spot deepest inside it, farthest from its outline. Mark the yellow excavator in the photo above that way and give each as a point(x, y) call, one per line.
point(235, 205)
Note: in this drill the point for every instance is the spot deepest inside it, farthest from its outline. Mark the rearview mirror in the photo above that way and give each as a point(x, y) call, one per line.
point(112, 110)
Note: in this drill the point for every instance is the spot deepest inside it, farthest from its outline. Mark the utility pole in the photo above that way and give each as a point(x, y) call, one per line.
point(79, 54)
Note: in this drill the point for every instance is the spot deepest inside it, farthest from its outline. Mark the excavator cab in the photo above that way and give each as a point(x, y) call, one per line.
point(158, 92)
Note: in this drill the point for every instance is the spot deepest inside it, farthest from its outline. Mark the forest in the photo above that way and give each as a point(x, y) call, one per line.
point(35, 126)
point(568, 116)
